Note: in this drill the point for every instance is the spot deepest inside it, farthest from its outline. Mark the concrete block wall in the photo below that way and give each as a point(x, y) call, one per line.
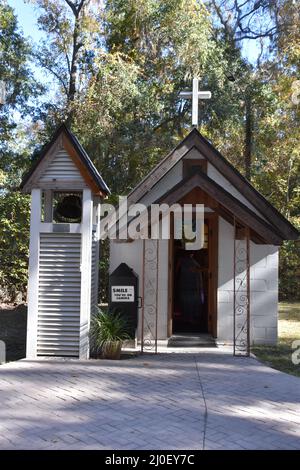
point(264, 293)
point(263, 289)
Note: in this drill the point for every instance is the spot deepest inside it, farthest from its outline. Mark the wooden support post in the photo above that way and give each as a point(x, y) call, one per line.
point(248, 290)
point(97, 254)
point(86, 268)
point(33, 274)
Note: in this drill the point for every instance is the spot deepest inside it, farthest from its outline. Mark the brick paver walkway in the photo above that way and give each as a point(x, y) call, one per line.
point(205, 399)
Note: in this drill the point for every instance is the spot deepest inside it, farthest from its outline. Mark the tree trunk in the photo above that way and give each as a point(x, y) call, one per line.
point(73, 73)
point(74, 61)
point(248, 138)
point(76, 9)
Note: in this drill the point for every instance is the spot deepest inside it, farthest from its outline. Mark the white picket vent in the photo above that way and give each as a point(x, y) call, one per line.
point(61, 167)
point(59, 294)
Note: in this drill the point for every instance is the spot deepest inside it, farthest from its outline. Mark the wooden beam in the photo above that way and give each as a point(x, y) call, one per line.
point(213, 249)
point(241, 233)
point(62, 185)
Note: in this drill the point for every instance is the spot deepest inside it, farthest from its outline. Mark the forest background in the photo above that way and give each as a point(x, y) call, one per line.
point(113, 71)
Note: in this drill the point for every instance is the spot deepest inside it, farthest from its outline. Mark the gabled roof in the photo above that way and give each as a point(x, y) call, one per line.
point(196, 140)
point(79, 157)
point(226, 201)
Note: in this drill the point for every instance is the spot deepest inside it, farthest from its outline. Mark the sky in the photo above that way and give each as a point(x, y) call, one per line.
point(27, 17)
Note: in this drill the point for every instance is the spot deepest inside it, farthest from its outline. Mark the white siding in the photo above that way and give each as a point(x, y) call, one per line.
point(59, 295)
point(61, 167)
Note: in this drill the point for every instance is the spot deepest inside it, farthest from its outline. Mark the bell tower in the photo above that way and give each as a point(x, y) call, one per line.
point(66, 193)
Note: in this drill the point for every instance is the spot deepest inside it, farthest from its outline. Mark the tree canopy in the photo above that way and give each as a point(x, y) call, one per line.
point(117, 67)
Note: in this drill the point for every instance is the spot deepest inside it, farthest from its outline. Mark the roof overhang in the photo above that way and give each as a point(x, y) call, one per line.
point(195, 140)
point(63, 138)
point(225, 204)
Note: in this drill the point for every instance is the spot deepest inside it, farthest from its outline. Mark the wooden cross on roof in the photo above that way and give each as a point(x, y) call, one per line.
point(195, 95)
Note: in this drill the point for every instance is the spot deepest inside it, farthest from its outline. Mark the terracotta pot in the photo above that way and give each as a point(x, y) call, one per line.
point(112, 350)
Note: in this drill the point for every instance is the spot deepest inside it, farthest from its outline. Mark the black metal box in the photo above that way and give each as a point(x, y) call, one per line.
point(123, 295)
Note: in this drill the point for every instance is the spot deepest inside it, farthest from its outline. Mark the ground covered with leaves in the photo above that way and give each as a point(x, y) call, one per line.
point(13, 322)
point(280, 356)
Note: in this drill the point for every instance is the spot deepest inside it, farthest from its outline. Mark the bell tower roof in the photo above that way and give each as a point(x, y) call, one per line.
point(64, 165)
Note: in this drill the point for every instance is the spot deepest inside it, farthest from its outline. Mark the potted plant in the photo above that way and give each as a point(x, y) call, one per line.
point(108, 331)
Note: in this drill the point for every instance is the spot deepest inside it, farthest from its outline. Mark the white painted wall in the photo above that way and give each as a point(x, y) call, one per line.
point(132, 254)
point(263, 286)
point(215, 175)
point(225, 282)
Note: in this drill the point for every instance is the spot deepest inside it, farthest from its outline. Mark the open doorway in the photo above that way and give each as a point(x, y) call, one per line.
point(190, 313)
point(193, 285)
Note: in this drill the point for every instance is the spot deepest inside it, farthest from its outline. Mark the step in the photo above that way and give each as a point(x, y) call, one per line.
point(191, 341)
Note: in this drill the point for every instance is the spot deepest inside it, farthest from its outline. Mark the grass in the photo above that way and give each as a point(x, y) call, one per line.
point(280, 356)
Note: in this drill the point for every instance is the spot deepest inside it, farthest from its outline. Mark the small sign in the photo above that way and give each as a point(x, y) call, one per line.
point(122, 293)
point(2, 92)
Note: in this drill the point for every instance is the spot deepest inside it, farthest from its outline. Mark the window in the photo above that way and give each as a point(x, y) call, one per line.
point(191, 166)
point(67, 207)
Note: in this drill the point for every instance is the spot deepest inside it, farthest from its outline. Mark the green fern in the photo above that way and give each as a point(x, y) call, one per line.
point(107, 327)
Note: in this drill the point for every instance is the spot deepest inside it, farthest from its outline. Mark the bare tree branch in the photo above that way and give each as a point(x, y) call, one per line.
point(76, 9)
point(57, 75)
point(254, 35)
